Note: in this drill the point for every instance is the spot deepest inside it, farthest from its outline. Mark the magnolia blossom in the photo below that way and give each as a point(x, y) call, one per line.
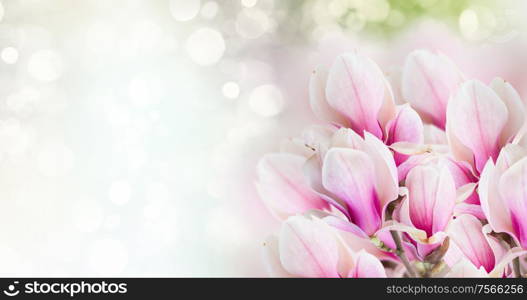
point(373, 184)
point(309, 247)
point(482, 119)
point(502, 191)
point(428, 81)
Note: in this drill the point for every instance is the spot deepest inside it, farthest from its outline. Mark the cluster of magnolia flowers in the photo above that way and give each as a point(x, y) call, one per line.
point(433, 184)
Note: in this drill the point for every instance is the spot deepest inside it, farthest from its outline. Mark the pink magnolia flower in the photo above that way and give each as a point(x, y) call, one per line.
point(482, 250)
point(308, 247)
point(502, 192)
point(427, 83)
point(283, 187)
point(431, 198)
point(481, 119)
point(355, 94)
point(356, 175)
point(343, 176)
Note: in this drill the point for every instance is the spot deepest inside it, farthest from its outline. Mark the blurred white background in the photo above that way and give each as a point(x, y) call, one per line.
point(129, 130)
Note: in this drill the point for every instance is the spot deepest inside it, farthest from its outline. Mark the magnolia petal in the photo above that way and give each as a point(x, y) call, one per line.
point(405, 127)
point(313, 173)
point(343, 225)
point(394, 77)
point(434, 135)
point(412, 162)
point(428, 80)
point(355, 88)
point(385, 170)
point(459, 151)
point(509, 155)
point(466, 232)
point(453, 255)
point(318, 138)
point(349, 174)
point(498, 246)
point(466, 269)
point(416, 234)
point(271, 258)
point(283, 187)
point(317, 97)
point(347, 138)
point(492, 205)
point(513, 190)
point(308, 248)
point(478, 118)
point(514, 104)
point(408, 148)
point(388, 109)
point(465, 191)
point(432, 196)
point(367, 266)
point(296, 146)
point(506, 260)
point(471, 209)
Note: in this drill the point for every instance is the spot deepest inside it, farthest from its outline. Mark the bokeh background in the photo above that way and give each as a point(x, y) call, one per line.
point(130, 130)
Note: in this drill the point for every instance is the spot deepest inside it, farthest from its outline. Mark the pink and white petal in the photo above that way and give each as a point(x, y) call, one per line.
point(296, 146)
point(367, 266)
point(459, 151)
point(349, 174)
point(408, 148)
point(514, 104)
point(428, 80)
point(492, 204)
point(465, 191)
point(313, 173)
point(461, 171)
point(388, 110)
point(356, 243)
point(347, 138)
point(478, 118)
point(509, 155)
point(317, 97)
point(471, 209)
point(445, 201)
point(344, 225)
point(355, 88)
point(405, 127)
point(434, 135)
point(513, 190)
point(318, 137)
point(432, 197)
point(412, 162)
point(308, 248)
point(466, 269)
point(506, 260)
point(422, 183)
point(466, 232)
point(271, 258)
point(387, 185)
point(453, 255)
point(417, 234)
point(394, 77)
point(499, 247)
point(283, 187)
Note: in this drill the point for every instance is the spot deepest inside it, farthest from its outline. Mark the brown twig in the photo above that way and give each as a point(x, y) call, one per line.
point(401, 254)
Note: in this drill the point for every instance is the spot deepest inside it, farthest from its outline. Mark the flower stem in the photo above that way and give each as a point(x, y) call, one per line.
point(401, 254)
point(516, 267)
point(515, 262)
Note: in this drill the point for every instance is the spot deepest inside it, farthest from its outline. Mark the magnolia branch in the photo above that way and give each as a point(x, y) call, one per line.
point(401, 254)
